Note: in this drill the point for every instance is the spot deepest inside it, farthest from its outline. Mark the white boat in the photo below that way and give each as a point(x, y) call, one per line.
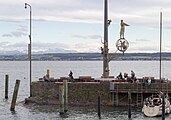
point(153, 106)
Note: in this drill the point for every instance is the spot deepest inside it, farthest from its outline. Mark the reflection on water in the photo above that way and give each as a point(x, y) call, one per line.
point(20, 70)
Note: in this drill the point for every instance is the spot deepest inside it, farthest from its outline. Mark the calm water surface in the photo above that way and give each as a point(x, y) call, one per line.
point(20, 70)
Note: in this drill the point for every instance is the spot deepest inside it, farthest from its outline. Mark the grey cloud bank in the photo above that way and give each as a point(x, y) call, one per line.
point(135, 11)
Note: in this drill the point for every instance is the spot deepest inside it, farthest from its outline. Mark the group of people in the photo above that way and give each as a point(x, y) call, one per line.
point(120, 77)
point(46, 77)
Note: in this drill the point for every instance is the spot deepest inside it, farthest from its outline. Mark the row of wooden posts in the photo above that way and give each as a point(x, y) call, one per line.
point(15, 93)
point(63, 95)
point(99, 106)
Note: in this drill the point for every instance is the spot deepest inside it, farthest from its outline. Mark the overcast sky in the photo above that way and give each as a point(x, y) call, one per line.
point(77, 25)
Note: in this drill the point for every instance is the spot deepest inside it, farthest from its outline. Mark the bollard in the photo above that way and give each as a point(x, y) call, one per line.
point(6, 86)
point(98, 107)
point(16, 88)
point(65, 84)
point(163, 107)
point(61, 99)
point(129, 105)
point(48, 73)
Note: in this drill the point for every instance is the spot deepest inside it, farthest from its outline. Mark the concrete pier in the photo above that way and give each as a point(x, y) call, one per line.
point(85, 92)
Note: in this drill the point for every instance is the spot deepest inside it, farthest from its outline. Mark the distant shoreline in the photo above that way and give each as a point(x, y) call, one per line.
point(88, 57)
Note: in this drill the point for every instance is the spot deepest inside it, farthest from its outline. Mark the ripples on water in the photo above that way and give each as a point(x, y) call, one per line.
point(20, 70)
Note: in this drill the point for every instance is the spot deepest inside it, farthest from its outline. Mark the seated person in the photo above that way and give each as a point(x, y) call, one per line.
point(46, 78)
point(120, 76)
point(132, 74)
point(125, 76)
point(71, 75)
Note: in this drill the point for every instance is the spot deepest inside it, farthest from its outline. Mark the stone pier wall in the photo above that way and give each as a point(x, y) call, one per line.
point(83, 94)
point(79, 93)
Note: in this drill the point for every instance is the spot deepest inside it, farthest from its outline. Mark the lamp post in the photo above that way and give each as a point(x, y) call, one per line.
point(28, 5)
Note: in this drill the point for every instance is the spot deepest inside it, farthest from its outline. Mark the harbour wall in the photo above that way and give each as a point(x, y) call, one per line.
point(79, 93)
point(86, 93)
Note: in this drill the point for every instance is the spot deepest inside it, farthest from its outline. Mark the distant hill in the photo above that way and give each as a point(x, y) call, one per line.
point(86, 56)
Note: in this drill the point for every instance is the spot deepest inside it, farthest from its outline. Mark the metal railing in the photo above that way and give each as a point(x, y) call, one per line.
point(132, 87)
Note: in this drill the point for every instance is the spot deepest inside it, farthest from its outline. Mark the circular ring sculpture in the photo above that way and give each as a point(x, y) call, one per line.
point(122, 44)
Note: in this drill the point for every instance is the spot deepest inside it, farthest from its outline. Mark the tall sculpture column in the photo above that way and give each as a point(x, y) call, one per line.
point(105, 49)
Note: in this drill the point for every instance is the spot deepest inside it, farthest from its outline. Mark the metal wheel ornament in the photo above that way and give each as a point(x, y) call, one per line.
point(122, 45)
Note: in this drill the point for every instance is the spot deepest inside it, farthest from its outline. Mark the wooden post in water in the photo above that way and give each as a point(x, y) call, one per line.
point(61, 99)
point(65, 84)
point(98, 107)
point(6, 86)
point(163, 106)
point(15, 95)
point(129, 105)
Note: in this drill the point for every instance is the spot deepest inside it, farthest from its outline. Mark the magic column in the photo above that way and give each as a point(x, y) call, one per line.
point(105, 50)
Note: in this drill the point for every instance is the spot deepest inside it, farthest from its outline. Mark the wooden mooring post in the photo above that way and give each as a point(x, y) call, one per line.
point(6, 86)
point(61, 99)
point(99, 107)
point(65, 84)
point(15, 93)
point(163, 106)
point(129, 105)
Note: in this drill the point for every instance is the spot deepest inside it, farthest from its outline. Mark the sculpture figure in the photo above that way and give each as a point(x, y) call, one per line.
point(122, 30)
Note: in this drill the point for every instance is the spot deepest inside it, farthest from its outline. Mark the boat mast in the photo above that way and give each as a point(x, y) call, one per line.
point(105, 52)
point(160, 42)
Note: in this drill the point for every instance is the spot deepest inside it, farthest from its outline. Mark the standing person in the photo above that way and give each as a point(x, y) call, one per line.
point(122, 30)
point(132, 74)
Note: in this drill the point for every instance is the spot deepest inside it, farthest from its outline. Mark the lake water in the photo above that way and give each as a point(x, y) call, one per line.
point(20, 70)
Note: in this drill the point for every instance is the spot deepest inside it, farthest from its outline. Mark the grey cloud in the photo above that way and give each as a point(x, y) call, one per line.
point(22, 28)
point(20, 31)
point(6, 35)
point(15, 34)
point(6, 46)
point(3, 44)
point(136, 11)
point(80, 36)
point(87, 36)
point(145, 49)
point(142, 40)
point(40, 47)
point(18, 34)
point(95, 36)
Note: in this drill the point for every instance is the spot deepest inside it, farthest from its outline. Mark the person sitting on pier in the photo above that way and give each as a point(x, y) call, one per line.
point(46, 78)
point(125, 76)
point(132, 74)
point(149, 81)
point(120, 76)
point(71, 75)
